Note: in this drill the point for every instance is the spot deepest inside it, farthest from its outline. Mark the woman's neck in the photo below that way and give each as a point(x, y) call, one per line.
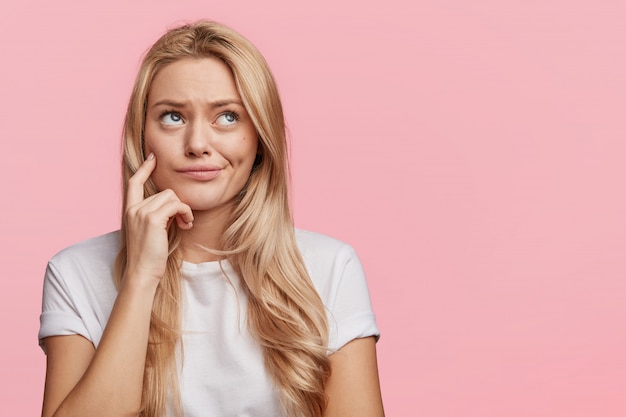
point(208, 228)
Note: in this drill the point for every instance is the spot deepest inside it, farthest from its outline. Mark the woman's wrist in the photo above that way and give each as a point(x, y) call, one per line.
point(141, 283)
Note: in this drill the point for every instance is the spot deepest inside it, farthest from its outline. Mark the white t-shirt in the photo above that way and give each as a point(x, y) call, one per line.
point(222, 372)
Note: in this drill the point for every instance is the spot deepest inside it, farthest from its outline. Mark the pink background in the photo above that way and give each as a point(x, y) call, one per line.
point(472, 152)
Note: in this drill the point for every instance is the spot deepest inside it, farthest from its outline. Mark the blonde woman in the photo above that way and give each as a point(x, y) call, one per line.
point(207, 302)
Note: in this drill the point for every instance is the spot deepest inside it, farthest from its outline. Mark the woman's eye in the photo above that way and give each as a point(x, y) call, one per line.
point(227, 119)
point(172, 118)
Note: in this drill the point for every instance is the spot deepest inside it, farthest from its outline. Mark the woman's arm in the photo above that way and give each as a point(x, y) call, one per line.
point(108, 381)
point(83, 381)
point(353, 389)
point(67, 358)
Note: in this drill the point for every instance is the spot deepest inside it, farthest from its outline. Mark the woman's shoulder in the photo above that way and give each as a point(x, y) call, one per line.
point(97, 250)
point(321, 245)
point(78, 289)
point(338, 276)
point(327, 259)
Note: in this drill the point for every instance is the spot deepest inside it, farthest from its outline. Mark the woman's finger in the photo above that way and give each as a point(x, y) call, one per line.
point(134, 194)
point(165, 203)
point(169, 207)
point(182, 223)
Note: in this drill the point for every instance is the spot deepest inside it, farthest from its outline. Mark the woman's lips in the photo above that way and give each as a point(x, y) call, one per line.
point(201, 173)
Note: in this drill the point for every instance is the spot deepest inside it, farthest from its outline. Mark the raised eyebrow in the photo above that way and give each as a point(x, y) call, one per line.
point(212, 104)
point(169, 103)
point(224, 103)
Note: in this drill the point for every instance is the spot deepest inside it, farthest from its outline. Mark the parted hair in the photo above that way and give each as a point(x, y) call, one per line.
point(285, 314)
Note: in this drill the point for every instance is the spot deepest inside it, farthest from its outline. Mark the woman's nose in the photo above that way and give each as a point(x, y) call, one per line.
point(198, 140)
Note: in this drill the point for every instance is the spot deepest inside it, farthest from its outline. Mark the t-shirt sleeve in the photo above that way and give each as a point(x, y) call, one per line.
point(351, 316)
point(59, 316)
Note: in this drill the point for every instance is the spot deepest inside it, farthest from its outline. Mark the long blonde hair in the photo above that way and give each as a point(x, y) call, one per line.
point(285, 314)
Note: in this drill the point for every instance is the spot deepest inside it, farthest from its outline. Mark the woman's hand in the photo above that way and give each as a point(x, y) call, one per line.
point(147, 221)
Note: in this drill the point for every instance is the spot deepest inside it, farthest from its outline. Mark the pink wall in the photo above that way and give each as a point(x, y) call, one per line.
point(472, 152)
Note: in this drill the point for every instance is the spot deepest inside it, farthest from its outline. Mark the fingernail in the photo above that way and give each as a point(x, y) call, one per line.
point(151, 156)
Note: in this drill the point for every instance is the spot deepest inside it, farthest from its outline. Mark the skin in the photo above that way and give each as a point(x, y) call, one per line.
point(194, 118)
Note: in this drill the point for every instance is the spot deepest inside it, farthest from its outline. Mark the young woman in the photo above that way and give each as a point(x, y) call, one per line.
point(207, 302)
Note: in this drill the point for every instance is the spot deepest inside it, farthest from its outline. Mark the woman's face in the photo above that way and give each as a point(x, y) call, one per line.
point(198, 129)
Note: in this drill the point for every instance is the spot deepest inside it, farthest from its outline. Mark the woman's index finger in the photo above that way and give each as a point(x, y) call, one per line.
point(134, 194)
